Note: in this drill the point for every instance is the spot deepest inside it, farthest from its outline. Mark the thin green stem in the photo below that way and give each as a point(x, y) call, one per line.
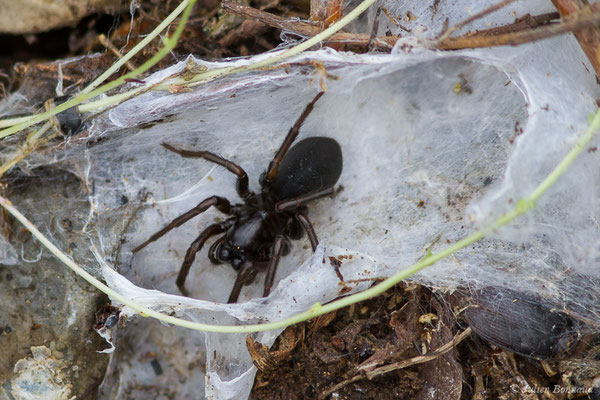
point(13, 121)
point(26, 148)
point(17, 125)
point(213, 74)
point(351, 16)
point(138, 47)
point(109, 101)
point(568, 160)
point(318, 309)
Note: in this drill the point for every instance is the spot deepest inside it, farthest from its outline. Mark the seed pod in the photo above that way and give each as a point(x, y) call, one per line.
point(520, 323)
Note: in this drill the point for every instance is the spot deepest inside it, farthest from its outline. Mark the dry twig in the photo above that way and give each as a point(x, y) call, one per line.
point(106, 42)
point(304, 28)
point(589, 39)
point(584, 20)
point(524, 30)
point(475, 17)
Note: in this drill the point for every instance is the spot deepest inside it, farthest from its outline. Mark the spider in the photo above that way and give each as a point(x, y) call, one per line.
point(258, 231)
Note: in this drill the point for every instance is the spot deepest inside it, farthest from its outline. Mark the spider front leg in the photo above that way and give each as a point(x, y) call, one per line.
point(289, 139)
point(194, 248)
point(242, 181)
point(221, 203)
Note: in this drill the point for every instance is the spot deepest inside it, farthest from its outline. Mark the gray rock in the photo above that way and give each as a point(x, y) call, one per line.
point(48, 348)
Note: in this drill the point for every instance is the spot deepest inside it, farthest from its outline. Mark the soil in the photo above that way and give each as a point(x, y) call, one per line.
point(385, 348)
point(389, 348)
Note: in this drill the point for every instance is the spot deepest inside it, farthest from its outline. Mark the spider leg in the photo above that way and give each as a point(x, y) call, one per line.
point(294, 230)
point(242, 177)
point(190, 255)
point(312, 236)
point(273, 262)
point(221, 203)
point(314, 242)
point(289, 139)
point(245, 275)
point(297, 201)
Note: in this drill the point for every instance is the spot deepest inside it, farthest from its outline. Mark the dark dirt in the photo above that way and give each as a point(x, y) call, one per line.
point(384, 348)
point(378, 350)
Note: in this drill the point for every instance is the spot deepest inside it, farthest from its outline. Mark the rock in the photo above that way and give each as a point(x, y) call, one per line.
point(48, 312)
point(33, 16)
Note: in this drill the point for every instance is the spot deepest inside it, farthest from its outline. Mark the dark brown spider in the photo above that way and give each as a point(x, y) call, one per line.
point(257, 233)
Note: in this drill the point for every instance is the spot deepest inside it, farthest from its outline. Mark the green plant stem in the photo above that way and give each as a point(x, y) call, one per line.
point(26, 148)
point(16, 125)
point(138, 47)
point(217, 73)
point(213, 74)
point(318, 309)
point(13, 121)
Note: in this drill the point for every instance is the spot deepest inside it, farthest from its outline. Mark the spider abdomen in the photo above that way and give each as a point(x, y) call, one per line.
point(310, 165)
